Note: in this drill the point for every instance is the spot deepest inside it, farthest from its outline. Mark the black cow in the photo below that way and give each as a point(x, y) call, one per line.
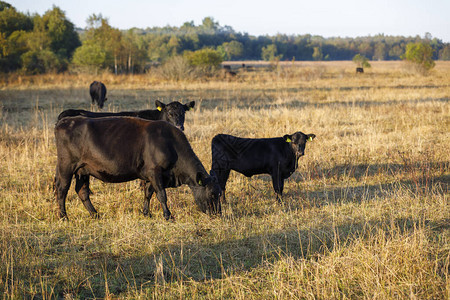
point(98, 93)
point(359, 70)
point(173, 113)
point(275, 156)
point(120, 149)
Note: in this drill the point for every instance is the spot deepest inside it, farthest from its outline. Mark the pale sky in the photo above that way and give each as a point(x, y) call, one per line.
point(327, 18)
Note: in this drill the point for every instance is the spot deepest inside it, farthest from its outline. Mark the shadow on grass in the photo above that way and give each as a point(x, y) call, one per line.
point(201, 261)
point(354, 188)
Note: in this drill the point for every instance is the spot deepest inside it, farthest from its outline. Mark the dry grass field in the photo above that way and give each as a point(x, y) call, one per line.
point(365, 216)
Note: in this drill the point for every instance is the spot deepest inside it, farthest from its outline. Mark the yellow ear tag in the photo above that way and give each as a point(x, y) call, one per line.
point(288, 140)
point(200, 182)
point(310, 139)
point(159, 108)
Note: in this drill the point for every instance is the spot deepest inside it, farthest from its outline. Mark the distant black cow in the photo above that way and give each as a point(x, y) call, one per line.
point(359, 70)
point(98, 93)
point(275, 156)
point(173, 113)
point(120, 149)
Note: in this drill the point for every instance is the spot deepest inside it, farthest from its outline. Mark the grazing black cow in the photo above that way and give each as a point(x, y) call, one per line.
point(173, 113)
point(275, 156)
point(98, 93)
point(359, 70)
point(120, 149)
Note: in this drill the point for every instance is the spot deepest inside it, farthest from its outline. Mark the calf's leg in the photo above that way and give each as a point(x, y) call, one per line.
point(278, 184)
point(222, 178)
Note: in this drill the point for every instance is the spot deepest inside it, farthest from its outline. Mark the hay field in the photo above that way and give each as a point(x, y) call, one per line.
point(366, 215)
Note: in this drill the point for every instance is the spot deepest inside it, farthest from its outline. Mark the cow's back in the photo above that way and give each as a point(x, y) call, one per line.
point(114, 149)
point(91, 114)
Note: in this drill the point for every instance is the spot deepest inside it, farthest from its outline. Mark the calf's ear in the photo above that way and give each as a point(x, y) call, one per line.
point(189, 106)
point(310, 137)
point(287, 138)
point(159, 105)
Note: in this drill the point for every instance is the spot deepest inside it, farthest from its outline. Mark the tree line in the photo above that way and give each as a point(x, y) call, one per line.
point(36, 44)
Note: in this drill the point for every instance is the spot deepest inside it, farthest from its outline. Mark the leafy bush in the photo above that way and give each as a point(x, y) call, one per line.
point(205, 61)
point(420, 55)
point(176, 68)
point(204, 58)
point(43, 61)
point(361, 61)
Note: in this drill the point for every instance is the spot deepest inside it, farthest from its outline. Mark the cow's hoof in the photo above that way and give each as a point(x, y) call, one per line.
point(169, 218)
point(95, 216)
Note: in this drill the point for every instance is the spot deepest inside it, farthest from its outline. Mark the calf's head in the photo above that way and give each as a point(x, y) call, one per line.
point(174, 112)
point(206, 193)
point(298, 141)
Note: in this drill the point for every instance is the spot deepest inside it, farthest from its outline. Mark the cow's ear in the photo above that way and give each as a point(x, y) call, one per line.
point(200, 179)
point(189, 106)
point(159, 105)
point(287, 138)
point(310, 137)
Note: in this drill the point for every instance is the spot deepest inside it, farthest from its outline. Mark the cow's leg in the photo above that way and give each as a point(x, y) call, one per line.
point(82, 189)
point(158, 186)
point(63, 178)
point(278, 184)
point(148, 189)
point(162, 197)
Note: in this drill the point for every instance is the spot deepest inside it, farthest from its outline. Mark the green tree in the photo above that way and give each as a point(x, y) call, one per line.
point(317, 54)
point(361, 61)
point(231, 49)
point(90, 56)
point(209, 26)
point(444, 54)
point(12, 20)
point(108, 44)
point(269, 53)
point(4, 5)
point(61, 32)
point(136, 51)
point(380, 51)
point(366, 49)
point(50, 44)
point(420, 55)
point(13, 31)
point(396, 52)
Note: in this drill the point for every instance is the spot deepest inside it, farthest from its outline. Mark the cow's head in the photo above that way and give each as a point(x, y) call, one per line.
point(207, 192)
point(297, 141)
point(101, 102)
point(174, 112)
